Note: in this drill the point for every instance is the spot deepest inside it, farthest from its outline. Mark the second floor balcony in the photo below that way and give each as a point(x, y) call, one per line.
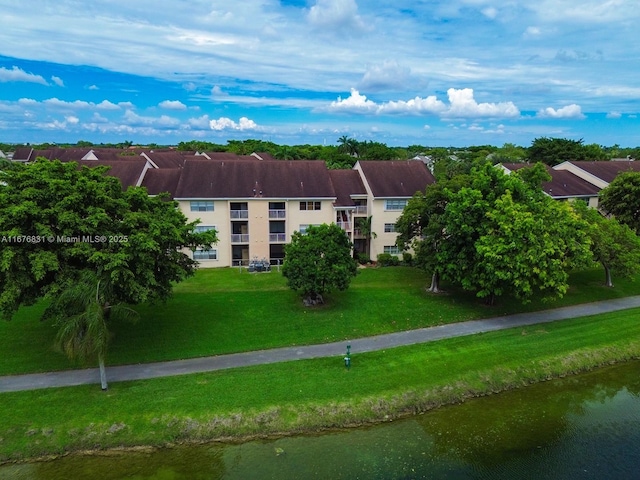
point(239, 238)
point(237, 214)
point(277, 213)
point(277, 237)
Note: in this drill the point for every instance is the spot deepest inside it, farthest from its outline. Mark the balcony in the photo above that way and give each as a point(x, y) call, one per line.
point(346, 226)
point(239, 238)
point(239, 214)
point(277, 237)
point(360, 210)
point(277, 213)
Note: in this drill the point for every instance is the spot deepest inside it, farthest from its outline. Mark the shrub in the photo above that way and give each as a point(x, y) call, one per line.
point(387, 260)
point(407, 258)
point(363, 258)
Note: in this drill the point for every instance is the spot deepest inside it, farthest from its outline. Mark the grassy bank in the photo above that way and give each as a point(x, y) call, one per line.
point(223, 311)
point(309, 395)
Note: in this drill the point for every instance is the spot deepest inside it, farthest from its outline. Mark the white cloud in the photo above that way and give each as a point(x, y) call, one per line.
point(341, 15)
point(224, 123)
point(532, 32)
point(172, 105)
point(93, 87)
point(107, 105)
point(415, 106)
point(72, 119)
point(57, 80)
point(388, 75)
point(614, 115)
point(18, 75)
point(490, 12)
point(570, 111)
point(464, 105)
point(461, 105)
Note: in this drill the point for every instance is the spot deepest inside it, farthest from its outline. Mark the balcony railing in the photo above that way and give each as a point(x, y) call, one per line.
point(239, 238)
point(239, 213)
point(346, 226)
point(360, 210)
point(278, 237)
point(277, 213)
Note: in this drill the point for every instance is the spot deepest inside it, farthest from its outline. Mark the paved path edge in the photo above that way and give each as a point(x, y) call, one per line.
point(120, 373)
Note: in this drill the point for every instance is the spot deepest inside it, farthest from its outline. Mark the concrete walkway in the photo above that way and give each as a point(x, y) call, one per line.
point(122, 373)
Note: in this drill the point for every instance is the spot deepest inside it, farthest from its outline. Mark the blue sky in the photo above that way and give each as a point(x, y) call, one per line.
point(431, 72)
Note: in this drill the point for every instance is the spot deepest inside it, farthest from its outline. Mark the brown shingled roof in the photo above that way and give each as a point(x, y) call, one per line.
point(128, 171)
point(346, 183)
point(563, 183)
point(388, 179)
point(608, 171)
point(159, 180)
point(257, 178)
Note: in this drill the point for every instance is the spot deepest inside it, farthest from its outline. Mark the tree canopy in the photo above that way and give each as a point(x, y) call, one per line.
point(318, 261)
point(614, 245)
point(57, 220)
point(495, 234)
point(622, 199)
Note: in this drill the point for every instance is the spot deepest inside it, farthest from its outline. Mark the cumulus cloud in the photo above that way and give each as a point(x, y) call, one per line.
point(224, 123)
point(57, 80)
point(570, 111)
point(461, 105)
point(354, 103)
point(341, 15)
point(18, 75)
point(172, 105)
point(490, 12)
point(614, 115)
point(464, 105)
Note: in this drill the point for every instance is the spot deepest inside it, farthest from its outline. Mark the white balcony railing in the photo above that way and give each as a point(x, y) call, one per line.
point(239, 238)
point(278, 237)
point(239, 213)
point(277, 213)
point(346, 226)
point(360, 210)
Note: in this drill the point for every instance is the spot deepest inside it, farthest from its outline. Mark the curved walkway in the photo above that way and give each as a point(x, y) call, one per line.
point(121, 373)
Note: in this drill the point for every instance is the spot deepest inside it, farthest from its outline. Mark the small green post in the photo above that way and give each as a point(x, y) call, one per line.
point(347, 359)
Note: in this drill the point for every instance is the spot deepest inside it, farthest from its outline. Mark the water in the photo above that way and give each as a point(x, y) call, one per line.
point(583, 427)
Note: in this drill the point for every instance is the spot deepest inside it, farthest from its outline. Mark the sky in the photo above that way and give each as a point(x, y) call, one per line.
point(400, 72)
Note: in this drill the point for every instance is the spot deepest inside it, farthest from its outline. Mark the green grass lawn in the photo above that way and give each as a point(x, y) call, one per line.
point(223, 311)
point(309, 394)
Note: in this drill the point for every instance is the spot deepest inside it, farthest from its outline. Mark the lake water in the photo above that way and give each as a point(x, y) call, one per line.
point(582, 427)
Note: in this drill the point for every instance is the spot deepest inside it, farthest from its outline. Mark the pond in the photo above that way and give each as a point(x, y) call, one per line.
point(582, 427)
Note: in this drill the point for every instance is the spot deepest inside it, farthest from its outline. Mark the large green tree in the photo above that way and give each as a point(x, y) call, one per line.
point(58, 222)
point(622, 199)
point(505, 236)
point(420, 226)
point(318, 261)
point(614, 245)
point(553, 151)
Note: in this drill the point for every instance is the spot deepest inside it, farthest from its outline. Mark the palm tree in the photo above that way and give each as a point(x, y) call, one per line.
point(83, 312)
point(364, 225)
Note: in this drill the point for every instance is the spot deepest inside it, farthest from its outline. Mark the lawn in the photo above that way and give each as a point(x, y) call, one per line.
point(222, 311)
point(309, 394)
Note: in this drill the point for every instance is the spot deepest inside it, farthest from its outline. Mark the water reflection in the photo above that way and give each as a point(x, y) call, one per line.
point(580, 427)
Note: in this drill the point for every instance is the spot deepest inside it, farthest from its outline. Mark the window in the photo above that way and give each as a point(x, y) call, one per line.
point(389, 227)
point(204, 228)
point(303, 228)
point(395, 204)
point(392, 249)
point(202, 206)
point(310, 205)
point(201, 254)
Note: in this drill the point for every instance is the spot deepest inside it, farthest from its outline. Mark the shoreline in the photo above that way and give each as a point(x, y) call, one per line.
point(324, 417)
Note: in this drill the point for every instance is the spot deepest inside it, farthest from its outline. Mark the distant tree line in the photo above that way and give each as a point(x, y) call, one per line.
point(444, 161)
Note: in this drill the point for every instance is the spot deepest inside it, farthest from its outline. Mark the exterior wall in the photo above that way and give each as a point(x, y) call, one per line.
point(297, 217)
point(218, 218)
point(380, 216)
point(258, 224)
